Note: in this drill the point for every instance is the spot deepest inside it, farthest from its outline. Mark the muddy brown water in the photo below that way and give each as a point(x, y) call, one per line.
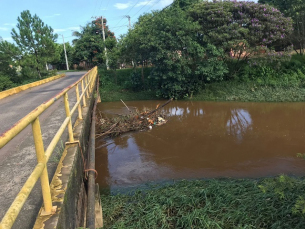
point(205, 140)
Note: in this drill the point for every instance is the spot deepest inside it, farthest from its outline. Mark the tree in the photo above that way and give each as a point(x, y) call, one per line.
point(35, 39)
point(59, 58)
point(169, 40)
point(89, 44)
point(296, 10)
point(9, 58)
point(241, 28)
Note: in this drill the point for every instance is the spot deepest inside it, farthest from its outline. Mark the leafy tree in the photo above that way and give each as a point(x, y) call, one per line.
point(241, 28)
point(10, 57)
point(35, 39)
point(169, 40)
point(89, 44)
point(296, 10)
point(59, 58)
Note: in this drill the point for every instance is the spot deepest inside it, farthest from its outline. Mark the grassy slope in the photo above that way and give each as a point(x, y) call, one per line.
point(232, 91)
point(116, 93)
point(222, 203)
point(223, 91)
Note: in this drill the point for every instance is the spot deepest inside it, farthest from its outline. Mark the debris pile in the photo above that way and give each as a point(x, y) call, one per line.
point(134, 121)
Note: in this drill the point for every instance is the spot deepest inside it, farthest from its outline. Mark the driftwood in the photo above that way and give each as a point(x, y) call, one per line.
point(125, 105)
point(137, 121)
point(159, 107)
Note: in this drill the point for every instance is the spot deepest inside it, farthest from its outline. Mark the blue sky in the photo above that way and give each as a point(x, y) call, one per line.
point(66, 16)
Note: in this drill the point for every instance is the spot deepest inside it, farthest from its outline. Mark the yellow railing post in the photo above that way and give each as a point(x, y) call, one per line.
point(78, 100)
point(41, 158)
point(67, 108)
point(83, 89)
point(89, 82)
point(87, 91)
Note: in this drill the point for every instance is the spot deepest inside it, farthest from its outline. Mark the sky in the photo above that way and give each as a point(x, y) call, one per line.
point(66, 16)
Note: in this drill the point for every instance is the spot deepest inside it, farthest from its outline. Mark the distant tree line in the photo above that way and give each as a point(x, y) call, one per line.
point(35, 49)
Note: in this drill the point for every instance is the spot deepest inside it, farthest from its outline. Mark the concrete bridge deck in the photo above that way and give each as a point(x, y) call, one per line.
point(18, 158)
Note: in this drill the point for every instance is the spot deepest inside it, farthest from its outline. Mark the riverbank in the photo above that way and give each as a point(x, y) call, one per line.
point(222, 91)
point(250, 92)
point(219, 203)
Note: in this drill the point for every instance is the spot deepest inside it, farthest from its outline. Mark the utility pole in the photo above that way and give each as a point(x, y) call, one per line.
point(129, 29)
point(63, 40)
point(128, 20)
point(105, 44)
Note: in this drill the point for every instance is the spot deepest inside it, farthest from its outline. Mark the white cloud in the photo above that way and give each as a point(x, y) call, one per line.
point(67, 29)
point(3, 29)
point(54, 15)
point(74, 28)
point(7, 39)
point(122, 6)
point(59, 30)
point(157, 4)
point(104, 9)
point(145, 3)
point(10, 24)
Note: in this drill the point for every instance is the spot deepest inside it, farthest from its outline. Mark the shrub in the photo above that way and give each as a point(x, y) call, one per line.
point(5, 83)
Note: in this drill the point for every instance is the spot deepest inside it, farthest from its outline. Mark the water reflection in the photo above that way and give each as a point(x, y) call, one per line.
point(179, 111)
point(205, 139)
point(239, 123)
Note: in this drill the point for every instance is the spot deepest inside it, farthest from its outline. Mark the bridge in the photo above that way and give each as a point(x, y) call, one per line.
point(47, 149)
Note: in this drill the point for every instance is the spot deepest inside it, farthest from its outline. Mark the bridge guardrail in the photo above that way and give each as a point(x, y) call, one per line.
point(40, 171)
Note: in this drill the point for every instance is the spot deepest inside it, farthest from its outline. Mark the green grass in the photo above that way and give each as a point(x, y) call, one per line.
point(219, 203)
point(111, 92)
point(250, 91)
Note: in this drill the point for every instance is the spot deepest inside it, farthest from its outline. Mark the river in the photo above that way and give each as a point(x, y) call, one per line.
point(205, 140)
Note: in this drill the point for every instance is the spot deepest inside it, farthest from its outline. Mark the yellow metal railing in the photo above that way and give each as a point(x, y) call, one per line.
point(40, 171)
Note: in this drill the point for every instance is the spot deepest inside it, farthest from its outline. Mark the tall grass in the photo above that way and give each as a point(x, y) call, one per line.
point(221, 203)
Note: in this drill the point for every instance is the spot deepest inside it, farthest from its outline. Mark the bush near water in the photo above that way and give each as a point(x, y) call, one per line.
point(284, 82)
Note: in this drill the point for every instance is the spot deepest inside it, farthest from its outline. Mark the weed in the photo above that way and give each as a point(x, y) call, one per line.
point(57, 153)
point(219, 203)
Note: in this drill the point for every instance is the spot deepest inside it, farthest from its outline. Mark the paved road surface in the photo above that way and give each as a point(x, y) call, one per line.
point(18, 158)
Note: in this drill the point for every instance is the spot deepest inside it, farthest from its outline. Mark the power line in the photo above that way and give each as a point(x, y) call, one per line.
point(107, 3)
point(133, 6)
point(130, 10)
point(142, 7)
point(95, 7)
point(100, 5)
point(153, 15)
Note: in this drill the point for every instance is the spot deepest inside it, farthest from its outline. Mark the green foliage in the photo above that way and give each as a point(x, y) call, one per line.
point(169, 41)
point(36, 41)
point(283, 186)
point(235, 90)
point(10, 56)
point(279, 185)
point(89, 44)
point(5, 83)
point(111, 90)
point(189, 43)
point(221, 203)
point(59, 59)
